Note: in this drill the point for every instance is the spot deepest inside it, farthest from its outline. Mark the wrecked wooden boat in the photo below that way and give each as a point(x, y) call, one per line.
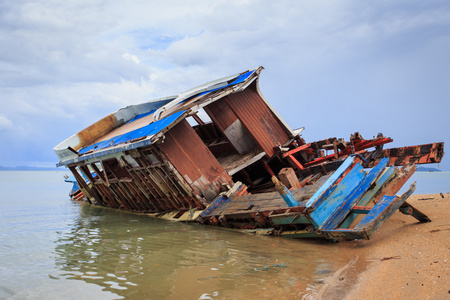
point(219, 154)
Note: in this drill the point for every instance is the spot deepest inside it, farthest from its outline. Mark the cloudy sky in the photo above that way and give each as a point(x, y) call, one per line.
point(335, 67)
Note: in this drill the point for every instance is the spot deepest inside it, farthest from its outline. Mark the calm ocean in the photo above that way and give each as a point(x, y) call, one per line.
point(54, 248)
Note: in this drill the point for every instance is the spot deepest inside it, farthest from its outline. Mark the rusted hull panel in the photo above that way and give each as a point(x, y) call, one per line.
point(255, 115)
point(221, 114)
point(194, 161)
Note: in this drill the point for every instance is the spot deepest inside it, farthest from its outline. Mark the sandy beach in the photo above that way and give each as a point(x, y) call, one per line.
point(404, 259)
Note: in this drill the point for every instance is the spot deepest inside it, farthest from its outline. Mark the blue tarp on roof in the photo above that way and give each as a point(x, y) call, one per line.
point(148, 130)
point(242, 77)
point(238, 79)
point(137, 117)
point(157, 126)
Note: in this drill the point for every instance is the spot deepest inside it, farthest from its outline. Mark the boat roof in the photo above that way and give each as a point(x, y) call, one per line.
point(139, 125)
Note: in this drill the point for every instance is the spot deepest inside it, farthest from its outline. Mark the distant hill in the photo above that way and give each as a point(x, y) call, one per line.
point(25, 168)
point(427, 169)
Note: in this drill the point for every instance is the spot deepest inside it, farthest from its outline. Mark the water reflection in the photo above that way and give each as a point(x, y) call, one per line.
point(138, 257)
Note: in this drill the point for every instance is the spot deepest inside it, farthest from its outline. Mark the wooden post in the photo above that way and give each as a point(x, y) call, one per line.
point(289, 179)
point(284, 192)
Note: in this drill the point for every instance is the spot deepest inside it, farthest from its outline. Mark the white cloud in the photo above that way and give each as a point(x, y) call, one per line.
point(65, 64)
point(5, 123)
point(131, 57)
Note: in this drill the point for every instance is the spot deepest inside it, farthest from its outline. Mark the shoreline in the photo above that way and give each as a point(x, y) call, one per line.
point(404, 259)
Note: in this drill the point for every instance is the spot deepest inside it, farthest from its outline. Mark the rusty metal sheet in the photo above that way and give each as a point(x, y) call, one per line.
point(248, 106)
point(190, 156)
point(221, 114)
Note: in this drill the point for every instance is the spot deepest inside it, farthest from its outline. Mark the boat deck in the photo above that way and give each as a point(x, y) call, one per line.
point(265, 202)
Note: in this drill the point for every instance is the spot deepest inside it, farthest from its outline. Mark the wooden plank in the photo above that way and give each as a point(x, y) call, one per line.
point(265, 202)
point(132, 196)
point(140, 198)
point(388, 174)
point(87, 191)
point(168, 192)
point(154, 184)
point(408, 209)
point(148, 182)
point(382, 211)
point(295, 150)
point(221, 199)
point(152, 196)
point(341, 211)
point(336, 198)
point(179, 181)
point(140, 185)
point(329, 185)
point(100, 174)
point(123, 201)
point(420, 154)
point(108, 196)
point(294, 162)
point(176, 191)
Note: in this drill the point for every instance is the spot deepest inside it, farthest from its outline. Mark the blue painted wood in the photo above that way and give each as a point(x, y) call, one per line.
point(335, 199)
point(220, 200)
point(382, 211)
point(147, 130)
point(338, 215)
point(388, 174)
point(373, 220)
point(288, 198)
point(329, 185)
point(376, 211)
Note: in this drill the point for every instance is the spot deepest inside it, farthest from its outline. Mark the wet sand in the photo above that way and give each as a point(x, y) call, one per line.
point(404, 259)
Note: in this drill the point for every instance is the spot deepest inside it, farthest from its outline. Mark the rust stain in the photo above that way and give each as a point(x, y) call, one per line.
point(190, 156)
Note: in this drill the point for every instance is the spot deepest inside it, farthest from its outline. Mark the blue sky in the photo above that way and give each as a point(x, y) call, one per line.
point(335, 67)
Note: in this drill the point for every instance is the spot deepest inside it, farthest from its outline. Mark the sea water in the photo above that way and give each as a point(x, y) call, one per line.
point(429, 183)
point(55, 248)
